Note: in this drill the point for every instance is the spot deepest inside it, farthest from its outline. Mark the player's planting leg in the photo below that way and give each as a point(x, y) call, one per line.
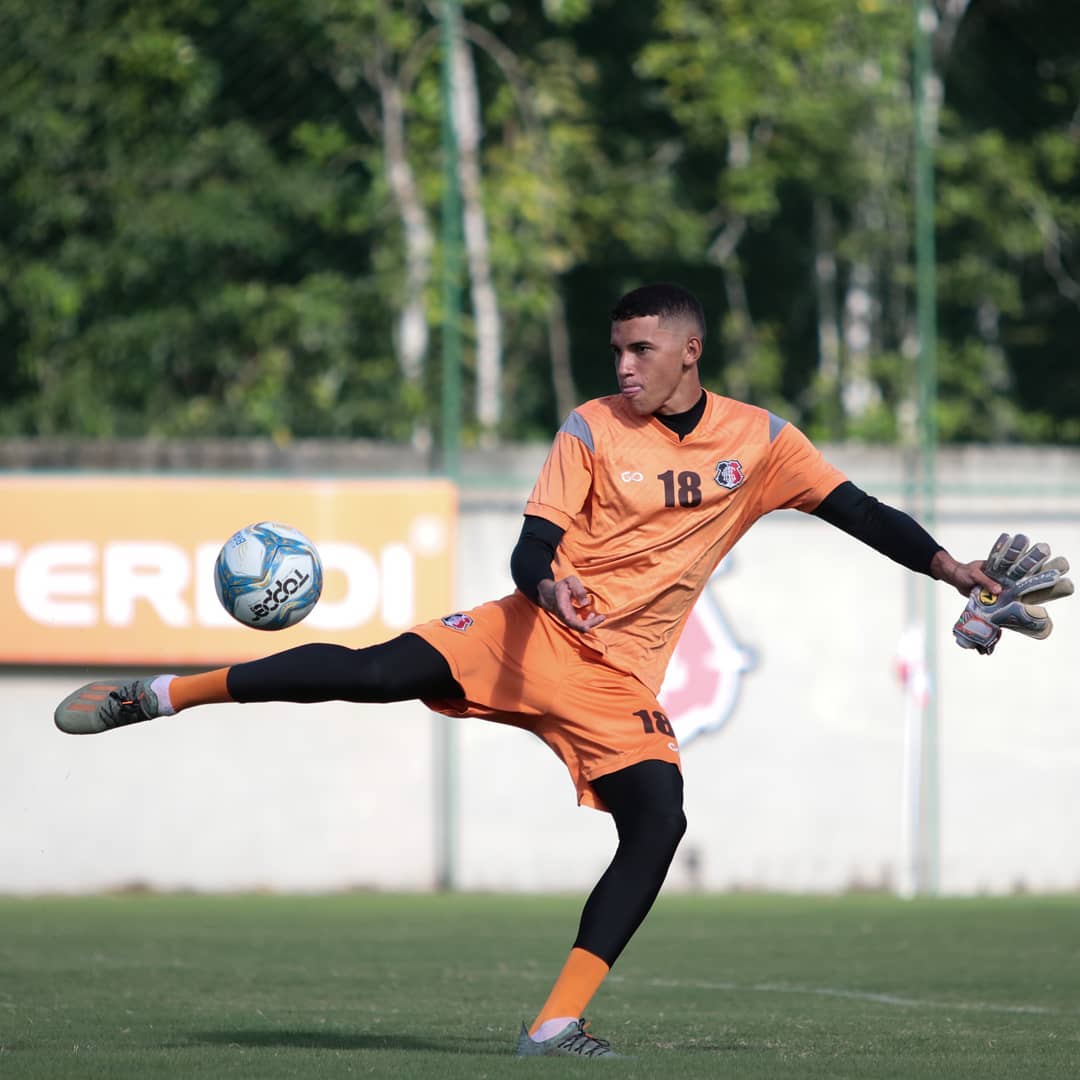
point(646, 803)
point(573, 1040)
point(399, 670)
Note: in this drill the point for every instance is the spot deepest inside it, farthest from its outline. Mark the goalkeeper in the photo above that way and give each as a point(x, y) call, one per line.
point(642, 494)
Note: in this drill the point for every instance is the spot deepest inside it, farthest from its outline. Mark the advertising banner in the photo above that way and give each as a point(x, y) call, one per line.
point(118, 571)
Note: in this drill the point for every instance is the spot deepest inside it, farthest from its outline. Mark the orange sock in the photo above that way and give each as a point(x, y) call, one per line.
point(206, 688)
point(579, 979)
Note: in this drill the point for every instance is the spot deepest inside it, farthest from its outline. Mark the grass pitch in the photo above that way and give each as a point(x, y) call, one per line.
point(436, 986)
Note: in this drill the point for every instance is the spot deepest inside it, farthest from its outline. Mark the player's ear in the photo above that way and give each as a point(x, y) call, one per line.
point(692, 349)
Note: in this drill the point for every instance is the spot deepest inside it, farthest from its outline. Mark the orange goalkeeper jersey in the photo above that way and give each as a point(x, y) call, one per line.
point(648, 517)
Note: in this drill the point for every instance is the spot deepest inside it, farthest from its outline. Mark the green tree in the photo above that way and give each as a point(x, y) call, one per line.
point(184, 248)
point(808, 107)
point(1009, 222)
point(222, 219)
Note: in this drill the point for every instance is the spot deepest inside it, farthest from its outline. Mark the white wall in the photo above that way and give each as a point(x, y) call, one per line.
point(804, 789)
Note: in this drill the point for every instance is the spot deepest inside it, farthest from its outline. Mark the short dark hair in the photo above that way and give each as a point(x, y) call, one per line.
point(663, 299)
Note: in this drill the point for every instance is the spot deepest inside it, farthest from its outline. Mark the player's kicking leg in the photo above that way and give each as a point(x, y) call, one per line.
point(399, 670)
point(646, 803)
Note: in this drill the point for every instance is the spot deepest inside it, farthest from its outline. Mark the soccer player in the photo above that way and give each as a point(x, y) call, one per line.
point(642, 494)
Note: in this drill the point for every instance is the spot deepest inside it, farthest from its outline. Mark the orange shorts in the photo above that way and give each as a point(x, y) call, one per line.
point(519, 666)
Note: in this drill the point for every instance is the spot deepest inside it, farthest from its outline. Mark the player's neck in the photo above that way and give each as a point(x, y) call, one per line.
point(684, 422)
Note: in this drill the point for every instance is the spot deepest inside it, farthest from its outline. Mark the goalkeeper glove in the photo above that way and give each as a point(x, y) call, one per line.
point(1029, 579)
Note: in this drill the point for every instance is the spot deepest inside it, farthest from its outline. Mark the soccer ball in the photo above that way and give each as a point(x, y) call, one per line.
point(268, 576)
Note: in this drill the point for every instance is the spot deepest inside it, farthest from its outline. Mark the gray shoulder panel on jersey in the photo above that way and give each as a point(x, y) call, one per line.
point(576, 425)
point(776, 425)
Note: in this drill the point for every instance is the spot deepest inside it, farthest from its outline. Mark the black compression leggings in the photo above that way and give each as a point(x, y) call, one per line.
point(645, 800)
point(404, 668)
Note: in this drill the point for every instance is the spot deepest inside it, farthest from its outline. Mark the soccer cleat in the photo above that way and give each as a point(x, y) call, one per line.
point(102, 706)
point(572, 1041)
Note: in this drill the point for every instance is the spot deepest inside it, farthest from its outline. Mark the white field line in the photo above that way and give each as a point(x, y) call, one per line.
point(899, 1000)
point(865, 995)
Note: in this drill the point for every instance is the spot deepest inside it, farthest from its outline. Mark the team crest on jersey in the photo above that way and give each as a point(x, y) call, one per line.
point(701, 686)
point(458, 621)
point(729, 474)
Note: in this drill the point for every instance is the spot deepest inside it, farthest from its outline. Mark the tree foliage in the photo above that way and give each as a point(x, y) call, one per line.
point(223, 219)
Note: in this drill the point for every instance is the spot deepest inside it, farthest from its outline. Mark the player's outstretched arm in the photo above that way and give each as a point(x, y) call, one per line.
point(900, 537)
point(568, 600)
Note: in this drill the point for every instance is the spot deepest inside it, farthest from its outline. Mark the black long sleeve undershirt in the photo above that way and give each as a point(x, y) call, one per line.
point(884, 528)
point(530, 561)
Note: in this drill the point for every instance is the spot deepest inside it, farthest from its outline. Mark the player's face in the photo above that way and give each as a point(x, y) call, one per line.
point(656, 365)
